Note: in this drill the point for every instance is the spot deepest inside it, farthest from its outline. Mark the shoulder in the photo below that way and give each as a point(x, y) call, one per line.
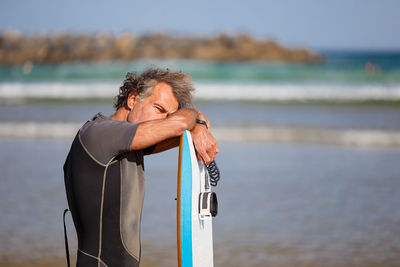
point(104, 138)
point(101, 126)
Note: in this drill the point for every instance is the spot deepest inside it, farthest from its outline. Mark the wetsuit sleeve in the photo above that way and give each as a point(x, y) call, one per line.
point(105, 139)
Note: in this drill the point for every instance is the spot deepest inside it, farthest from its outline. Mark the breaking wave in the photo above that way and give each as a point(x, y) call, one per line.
point(211, 91)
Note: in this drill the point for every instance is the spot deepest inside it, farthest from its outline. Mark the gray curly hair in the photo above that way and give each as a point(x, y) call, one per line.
point(143, 85)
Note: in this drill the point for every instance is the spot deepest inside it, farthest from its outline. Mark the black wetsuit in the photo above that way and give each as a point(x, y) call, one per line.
point(104, 183)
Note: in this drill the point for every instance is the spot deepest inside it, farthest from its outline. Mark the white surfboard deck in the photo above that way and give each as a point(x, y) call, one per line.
point(194, 232)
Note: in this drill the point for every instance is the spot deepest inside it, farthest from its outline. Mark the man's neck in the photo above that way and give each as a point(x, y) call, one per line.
point(120, 115)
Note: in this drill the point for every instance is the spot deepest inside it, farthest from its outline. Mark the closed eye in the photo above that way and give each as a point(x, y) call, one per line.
point(160, 108)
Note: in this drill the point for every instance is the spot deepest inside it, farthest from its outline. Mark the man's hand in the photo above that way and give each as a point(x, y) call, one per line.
point(205, 144)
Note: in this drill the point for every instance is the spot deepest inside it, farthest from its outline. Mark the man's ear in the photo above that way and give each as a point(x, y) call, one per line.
point(132, 99)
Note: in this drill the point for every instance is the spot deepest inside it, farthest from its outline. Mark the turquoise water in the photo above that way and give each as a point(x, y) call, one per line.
point(344, 76)
point(339, 67)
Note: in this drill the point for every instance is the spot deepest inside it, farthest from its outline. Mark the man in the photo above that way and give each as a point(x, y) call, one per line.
point(104, 172)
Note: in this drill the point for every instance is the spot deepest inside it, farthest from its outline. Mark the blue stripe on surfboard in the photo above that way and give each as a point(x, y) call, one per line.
point(186, 204)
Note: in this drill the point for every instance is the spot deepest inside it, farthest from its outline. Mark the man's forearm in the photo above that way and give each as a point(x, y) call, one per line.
point(166, 144)
point(156, 131)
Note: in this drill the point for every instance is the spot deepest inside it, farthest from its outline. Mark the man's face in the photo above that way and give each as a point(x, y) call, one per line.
point(156, 106)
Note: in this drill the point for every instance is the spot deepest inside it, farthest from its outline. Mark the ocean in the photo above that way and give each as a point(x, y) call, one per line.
point(308, 157)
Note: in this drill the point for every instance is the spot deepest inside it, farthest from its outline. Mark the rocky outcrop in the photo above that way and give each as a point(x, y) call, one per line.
point(16, 48)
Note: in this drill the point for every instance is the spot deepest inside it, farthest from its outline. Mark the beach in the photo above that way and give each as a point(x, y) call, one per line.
point(308, 159)
point(342, 213)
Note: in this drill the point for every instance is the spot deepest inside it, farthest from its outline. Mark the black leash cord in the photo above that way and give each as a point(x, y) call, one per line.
point(66, 239)
point(213, 173)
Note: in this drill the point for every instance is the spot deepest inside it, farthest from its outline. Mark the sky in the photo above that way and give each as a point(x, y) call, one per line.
point(317, 24)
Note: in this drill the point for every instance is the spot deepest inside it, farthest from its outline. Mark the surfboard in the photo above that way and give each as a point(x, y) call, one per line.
point(194, 223)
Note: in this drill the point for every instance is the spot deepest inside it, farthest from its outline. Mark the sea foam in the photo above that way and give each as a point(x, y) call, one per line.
point(212, 91)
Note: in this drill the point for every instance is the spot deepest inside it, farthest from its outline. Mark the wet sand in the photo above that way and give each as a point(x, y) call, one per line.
point(359, 255)
point(51, 262)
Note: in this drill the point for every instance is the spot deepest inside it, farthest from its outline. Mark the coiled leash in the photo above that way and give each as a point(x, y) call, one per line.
point(213, 173)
